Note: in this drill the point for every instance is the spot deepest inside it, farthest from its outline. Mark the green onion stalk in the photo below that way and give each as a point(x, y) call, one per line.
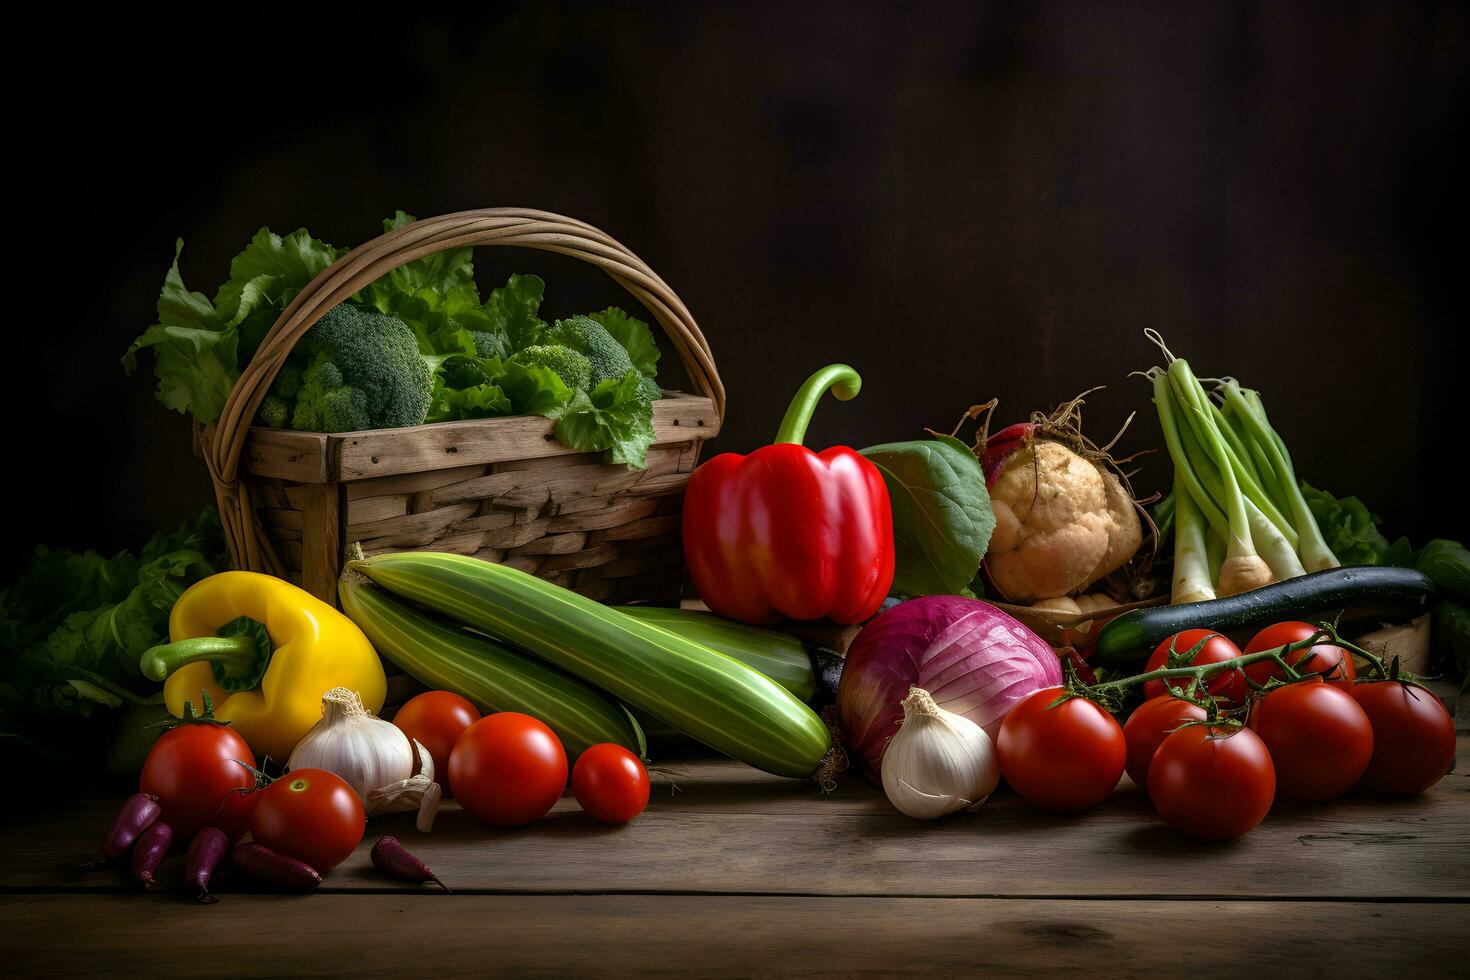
point(1240, 521)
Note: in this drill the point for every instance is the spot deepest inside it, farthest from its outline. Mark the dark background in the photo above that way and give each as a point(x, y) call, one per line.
point(961, 200)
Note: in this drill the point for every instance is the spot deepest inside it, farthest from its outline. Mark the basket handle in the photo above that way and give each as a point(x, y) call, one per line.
point(521, 227)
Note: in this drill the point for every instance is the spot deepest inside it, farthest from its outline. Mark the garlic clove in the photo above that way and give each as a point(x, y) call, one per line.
point(428, 808)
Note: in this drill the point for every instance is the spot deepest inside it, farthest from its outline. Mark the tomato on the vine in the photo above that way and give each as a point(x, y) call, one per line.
point(1228, 687)
point(311, 815)
point(437, 719)
point(507, 769)
point(1413, 737)
point(610, 783)
point(1068, 757)
point(1212, 782)
point(1148, 726)
point(1331, 661)
point(1320, 739)
point(201, 772)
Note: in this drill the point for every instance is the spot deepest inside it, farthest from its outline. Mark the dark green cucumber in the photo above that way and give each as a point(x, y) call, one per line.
point(1133, 635)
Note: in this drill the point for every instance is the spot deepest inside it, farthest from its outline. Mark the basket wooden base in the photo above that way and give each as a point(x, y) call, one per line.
point(500, 489)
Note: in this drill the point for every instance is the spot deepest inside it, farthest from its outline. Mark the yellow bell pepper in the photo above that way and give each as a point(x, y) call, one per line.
point(265, 652)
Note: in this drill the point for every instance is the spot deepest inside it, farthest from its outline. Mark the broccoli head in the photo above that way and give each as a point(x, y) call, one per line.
point(487, 344)
point(573, 368)
point(355, 369)
point(590, 339)
point(275, 411)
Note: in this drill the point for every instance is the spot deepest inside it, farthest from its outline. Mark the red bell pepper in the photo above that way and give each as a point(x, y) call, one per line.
point(786, 533)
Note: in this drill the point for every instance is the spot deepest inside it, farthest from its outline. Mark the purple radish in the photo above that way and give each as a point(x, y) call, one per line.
point(136, 816)
point(206, 851)
point(264, 864)
point(149, 851)
point(390, 857)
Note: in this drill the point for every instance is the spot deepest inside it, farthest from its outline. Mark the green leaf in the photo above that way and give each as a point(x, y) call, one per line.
point(264, 278)
point(1349, 529)
point(942, 520)
point(616, 417)
point(513, 308)
point(195, 353)
point(1448, 563)
point(534, 389)
point(634, 335)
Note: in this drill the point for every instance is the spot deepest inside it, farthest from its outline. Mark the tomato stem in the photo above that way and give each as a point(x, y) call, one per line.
point(1112, 690)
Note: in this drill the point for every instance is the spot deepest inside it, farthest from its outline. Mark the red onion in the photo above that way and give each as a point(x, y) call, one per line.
point(972, 658)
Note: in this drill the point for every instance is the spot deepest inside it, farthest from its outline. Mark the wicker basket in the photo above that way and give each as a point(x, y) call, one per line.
point(500, 489)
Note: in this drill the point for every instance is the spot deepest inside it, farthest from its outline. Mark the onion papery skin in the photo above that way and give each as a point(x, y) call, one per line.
point(971, 657)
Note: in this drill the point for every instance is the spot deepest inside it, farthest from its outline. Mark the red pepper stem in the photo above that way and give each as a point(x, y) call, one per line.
point(844, 384)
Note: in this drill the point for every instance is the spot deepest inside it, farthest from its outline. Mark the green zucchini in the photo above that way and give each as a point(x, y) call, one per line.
point(443, 656)
point(780, 656)
point(1137, 632)
point(703, 693)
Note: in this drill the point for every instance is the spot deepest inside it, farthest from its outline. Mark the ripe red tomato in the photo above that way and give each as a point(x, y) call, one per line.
point(1333, 662)
point(1212, 783)
point(610, 783)
point(507, 769)
point(437, 719)
point(1320, 739)
point(311, 815)
point(1065, 758)
point(201, 773)
point(1228, 687)
point(1413, 737)
point(1148, 726)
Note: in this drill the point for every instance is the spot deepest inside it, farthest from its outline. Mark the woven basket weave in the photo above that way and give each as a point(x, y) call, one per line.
point(501, 489)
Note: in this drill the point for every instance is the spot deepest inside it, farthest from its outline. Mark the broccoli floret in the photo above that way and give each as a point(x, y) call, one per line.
point(487, 344)
point(355, 369)
point(274, 411)
point(590, 339)
point(288, 381)
point(573, 368)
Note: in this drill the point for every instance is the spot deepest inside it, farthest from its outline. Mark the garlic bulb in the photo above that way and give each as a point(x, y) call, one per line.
point(939, 762)
point(389, 770)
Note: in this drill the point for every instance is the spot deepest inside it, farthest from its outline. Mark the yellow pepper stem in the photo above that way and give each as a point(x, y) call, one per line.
point(237, 656)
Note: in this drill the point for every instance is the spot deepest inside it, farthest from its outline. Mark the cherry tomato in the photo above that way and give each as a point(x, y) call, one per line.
point(1228, 687)
point(1333, 662)
point(1212, 783)
point(1320, 739)
point(201, 773)
point(507, 769)
point(311, 815)
point(610, 783)
point(437, 719)
point(1413, 737)
point(1065, 758)
point(1148, 726)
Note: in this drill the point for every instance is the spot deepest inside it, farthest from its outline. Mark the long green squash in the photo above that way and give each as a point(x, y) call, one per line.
point(443, 656)
point(701, 692)
point(780, 656)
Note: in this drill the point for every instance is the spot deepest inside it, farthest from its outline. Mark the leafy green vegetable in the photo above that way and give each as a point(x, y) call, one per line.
point(475, 352)
point(1448, 563)
point(616, 417)
point(1350, 529)
point(73, 626)
point(942, 520)
point(1450, 633)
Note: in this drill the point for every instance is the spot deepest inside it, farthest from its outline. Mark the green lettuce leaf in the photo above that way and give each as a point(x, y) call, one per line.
point(195, 354)
point(616, 418)
point(265, 278)
point(1348, 527)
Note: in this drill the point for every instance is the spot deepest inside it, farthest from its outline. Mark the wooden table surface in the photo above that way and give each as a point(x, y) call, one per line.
point(730, 871)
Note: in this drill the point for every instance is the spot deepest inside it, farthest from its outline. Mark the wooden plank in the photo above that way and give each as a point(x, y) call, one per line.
point(361, 510)
point(654, 935)
point(321, 535)
point(734, 830)
point(385, 452)
point(412, 529)
point(301, 457)
point(413, 482)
